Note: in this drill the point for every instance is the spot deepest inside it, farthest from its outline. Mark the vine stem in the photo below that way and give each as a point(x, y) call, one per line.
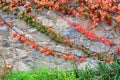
point(39, 45)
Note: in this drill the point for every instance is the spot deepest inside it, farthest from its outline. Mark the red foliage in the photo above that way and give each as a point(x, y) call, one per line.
point(9, 25)
point(83, 60)
point(118, 51)
point(1, 23)
point(90, 35)
point(14, 35)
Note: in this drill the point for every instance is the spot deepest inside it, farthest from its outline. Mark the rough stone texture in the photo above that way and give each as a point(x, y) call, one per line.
point(100, 33)
point(46, 65)
point(78, 53)
point(35, 54)
point(5, 44)
point(106, 27)
point(99, 47)
point(28, 58)
point(88, 64)
point(30, 63)
point(110, 35)
point(72, 34)
point(3, 28)
point(65, 66)
point(20, 24)
point(83, 42)
point(21, 53)
point(57, 48)
point(44, 21)
point(20, 66)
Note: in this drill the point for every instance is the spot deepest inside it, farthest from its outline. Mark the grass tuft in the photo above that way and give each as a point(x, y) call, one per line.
point(102, 72)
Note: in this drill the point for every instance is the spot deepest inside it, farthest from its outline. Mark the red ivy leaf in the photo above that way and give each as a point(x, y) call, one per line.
point(83, 60)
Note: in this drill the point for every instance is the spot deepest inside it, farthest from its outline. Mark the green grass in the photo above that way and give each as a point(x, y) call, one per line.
point(102, 72)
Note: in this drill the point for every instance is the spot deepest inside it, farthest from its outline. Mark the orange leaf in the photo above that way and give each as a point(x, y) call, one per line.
point(66, 41)
point(58, 55)
point(43, 50)
point(1, 23)
point(118, 18)
point(27, 43)
point(9, 25)
point(47, 53)
point(70, 57)
point(89, 1)
point(108, 60)
point(14, 35)
point(65, 57)
point(112, 59)
point(83, 60)
point(75, 59)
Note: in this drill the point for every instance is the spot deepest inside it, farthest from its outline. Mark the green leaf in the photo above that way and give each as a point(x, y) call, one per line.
point(90, 55)
point(33, 24)
point(101, 56)
point(84, 50)
point(38, 28)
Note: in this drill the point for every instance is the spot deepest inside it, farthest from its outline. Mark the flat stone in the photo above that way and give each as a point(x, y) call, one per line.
point(50, 23)
point(40, 37)
point(10, 60)
point(21, 53)
point(7, 19)
point(87, 43)
point(57, 48)
point(4, 15)
point(17, 45)
point(61, 23)
point(66, 66)
point(78, 41)
point(31, 63)
point(12, 16)
point(46, 65)
point(50, 59)
point(84, 42)
point(7, 51)
point(117, 41)
point(18, 30)
point(21, 24)
point(59, 61)
point(32, 30)
point(44, 21)
point(39, 17)
point(20, 66)
point(100, 33)
point(51, 14)
point(117, 57)
point(3, 28)
point(92, 64)
point(43, 12)
point(72, 34)
point(6, 44)
point(33, 12)
point(110, 36)
point(78, 52)
point(35, 54)
point(106, 27)
point(99, 47)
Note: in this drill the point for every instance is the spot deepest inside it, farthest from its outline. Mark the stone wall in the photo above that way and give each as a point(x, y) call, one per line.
point(25, 58)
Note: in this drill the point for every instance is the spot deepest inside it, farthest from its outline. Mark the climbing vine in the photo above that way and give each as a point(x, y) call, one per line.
point(98, 11)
